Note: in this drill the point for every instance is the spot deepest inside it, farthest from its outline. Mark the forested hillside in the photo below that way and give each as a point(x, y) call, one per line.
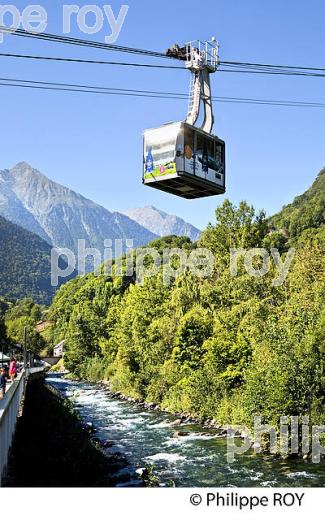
point(306, 211)
point(3, 330)
point(19, 318)
point(25, 264)
point(227, 347)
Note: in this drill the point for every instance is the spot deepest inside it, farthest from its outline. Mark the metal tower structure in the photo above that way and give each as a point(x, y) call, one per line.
point(202, 59)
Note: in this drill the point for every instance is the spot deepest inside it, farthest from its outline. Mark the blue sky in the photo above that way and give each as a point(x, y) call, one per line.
point(93, 143)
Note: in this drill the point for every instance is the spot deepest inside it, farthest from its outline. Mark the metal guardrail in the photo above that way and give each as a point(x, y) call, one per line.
point(9, 412)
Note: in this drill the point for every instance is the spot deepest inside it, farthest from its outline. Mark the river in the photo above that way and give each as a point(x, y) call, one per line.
point(195, 460)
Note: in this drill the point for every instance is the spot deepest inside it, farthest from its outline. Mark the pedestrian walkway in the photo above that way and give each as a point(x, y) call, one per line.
point(9, 411)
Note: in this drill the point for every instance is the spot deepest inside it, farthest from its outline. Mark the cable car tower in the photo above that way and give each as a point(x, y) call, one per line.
point(180, 158)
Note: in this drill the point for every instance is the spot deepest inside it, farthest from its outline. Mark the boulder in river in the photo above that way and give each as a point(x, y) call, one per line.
point(178, 422)
point(107, 444)
point(89, 427)
point(181, 434)
point(211, 424)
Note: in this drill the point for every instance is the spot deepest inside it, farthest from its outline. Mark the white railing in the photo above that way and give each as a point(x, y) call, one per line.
point(200, 55)
point(9, 411)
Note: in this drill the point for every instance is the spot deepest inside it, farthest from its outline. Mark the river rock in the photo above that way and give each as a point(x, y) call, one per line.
point(208, 424)
point(89, 427)
point(107, 444)
point(211, 424)
point(178, 422)
point(181, 434)
point(149, 406)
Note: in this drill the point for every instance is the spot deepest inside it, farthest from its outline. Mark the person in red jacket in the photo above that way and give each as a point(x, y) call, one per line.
point(12, 369)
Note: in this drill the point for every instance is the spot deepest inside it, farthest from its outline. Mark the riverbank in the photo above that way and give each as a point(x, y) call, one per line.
point(260, 446)
point(180, 418)
point(51, 448)
point(181, 454)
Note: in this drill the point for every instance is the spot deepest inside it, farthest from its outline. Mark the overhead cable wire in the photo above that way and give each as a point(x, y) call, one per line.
point(249, 70)
point(80, 42)
point(95, 62)
point(235, 65)
point(268, 65)
point(71, 87)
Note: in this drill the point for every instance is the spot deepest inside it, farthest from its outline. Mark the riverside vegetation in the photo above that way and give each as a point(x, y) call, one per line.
point(227, 348)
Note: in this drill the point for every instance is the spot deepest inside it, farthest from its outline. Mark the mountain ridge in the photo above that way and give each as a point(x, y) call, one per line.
point(60, 215)
point(162, 223)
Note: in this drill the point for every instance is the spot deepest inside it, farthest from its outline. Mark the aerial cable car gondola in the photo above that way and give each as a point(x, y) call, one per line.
point(180, 158)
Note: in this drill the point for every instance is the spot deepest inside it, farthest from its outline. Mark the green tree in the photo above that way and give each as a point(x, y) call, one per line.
point(16, 331)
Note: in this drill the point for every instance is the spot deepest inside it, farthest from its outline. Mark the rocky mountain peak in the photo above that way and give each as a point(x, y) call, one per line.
point(163, 224)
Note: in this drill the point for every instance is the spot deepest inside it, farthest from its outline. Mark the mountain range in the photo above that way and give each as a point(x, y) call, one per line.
point(162, 224)
point(38, 213)
point(59, 215)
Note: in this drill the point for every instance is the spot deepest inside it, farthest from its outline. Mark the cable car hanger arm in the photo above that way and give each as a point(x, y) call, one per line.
point(202, 59)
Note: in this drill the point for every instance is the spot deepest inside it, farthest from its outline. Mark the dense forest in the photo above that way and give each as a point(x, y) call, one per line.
point(306, 211)
point(25, 264)
point(227, 347)
point(18, 317)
